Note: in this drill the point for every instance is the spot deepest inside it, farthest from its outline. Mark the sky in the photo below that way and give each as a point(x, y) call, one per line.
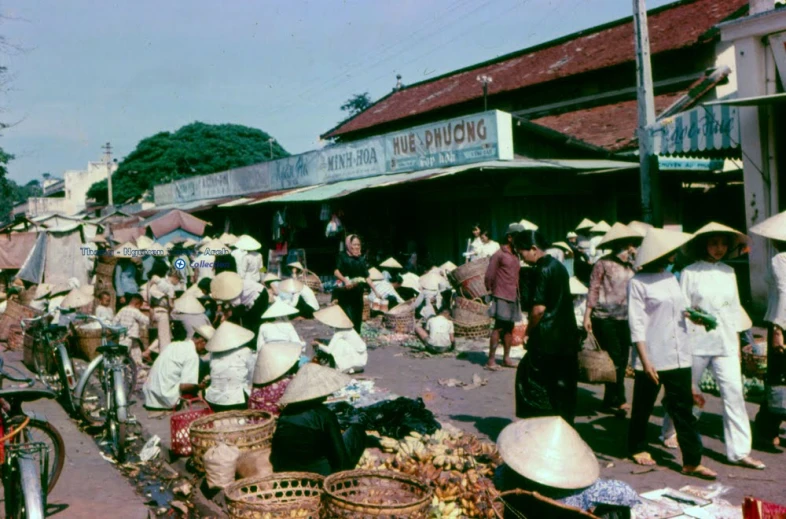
point(87, 72)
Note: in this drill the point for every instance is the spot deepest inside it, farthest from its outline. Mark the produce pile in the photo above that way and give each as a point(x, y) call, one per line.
point(460, 467)
point(753, 388)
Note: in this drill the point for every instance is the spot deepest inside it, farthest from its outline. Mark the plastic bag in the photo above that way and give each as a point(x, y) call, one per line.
point(220, 463)
point(392, 418)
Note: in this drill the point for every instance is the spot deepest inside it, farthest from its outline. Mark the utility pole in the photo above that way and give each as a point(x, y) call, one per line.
point(108, 160)
point(646, 102)
point(270, 141)
point(485, 81)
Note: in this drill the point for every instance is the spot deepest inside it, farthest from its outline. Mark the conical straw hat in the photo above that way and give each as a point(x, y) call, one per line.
point(773, 227)
point(577, 288)
point(189, 243)
point(205, 331)
point(448, 266)
point(291, 286)
point(188, 304)
point(42, 290)
point(246, 242)
point(737, 240)
point(88, 289)
point(430, 281)
point(156, 249)
point(620, 231)
point(143, 242)
point(410, 280)
point(640, 227)
point(226, 286)
point(76, 299)
point(562, 245)
point(228, 336)
point(297, 265)
point(528, 226)
point(601, 226)
point(375, 275)
point(334, 317)
point(571, 234)
point(270, 277)
point(194, 290)
point(279, 309)
point(391, 263)
point(229, 239)
point(274, 360)
point(125, 250)
point(313, 381)
point(550, 452)
point(586, 223)
point(659, 243)
point(171, 245)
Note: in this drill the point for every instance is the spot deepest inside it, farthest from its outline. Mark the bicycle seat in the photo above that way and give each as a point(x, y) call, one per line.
point(26, 394)
point(112, 348)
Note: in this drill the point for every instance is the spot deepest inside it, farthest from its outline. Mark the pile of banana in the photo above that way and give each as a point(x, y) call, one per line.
point(460, 467)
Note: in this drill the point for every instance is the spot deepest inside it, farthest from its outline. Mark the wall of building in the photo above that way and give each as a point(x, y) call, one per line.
point(78, 182)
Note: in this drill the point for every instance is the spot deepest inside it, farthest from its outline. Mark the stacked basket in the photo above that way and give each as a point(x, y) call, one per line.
point(247, 430)
point(471, 319)
point(469, 278)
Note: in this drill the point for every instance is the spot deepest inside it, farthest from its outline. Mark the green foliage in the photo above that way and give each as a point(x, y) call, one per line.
point(194, 149)
point(356, 104)
point(10, 192)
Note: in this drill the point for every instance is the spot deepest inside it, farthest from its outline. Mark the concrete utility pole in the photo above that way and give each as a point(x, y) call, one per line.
point(108, 160)
point(646, 99)
point(485, 81)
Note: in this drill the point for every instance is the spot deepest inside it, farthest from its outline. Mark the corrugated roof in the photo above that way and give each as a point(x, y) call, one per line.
point(675, 26)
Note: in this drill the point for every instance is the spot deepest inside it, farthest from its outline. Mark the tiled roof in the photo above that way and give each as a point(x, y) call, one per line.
point(612, 127)
point(671, 27)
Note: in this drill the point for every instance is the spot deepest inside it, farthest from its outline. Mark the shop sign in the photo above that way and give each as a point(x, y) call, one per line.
point(358, 159)
point(704, 128)
point(690, 164)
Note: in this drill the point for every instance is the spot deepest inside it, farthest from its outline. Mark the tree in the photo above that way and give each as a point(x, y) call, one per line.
point(356, 104)
point(194, 149)
point(8, 188)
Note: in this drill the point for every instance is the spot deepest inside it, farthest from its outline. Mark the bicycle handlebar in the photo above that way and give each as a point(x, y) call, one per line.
point(22, 378)
point(118, 330)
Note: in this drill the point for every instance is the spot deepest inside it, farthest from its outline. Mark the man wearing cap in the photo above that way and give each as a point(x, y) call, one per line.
point(502, 282)
point(176, 371)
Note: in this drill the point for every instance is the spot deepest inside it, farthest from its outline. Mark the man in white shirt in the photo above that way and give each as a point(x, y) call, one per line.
point(176, 371)
point(438, 333)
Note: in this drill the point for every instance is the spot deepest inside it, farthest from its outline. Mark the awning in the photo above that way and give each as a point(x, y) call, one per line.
point(704, 128)
point(750, 101)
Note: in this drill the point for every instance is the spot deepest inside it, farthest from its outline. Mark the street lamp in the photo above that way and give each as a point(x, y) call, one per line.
point(485, 81)
point(270, 141)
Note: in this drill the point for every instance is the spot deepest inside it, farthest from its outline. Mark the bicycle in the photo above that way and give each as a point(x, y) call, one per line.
point(51, 359)
point(33, 451)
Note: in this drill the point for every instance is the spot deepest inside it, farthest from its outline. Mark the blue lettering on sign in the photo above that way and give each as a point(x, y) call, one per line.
point(289, 172)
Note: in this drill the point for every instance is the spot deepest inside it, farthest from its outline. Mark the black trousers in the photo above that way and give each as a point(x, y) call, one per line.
point(546, 385)
point(678, 403)
point(614, 337)
point(351, 301)
point(768, 424)
point(233, 407)
point(355, 442)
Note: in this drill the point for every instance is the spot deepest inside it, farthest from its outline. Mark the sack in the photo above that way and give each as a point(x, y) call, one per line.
point(776, 400)
point(254, 464)
point(220, 463)
point(595, 365)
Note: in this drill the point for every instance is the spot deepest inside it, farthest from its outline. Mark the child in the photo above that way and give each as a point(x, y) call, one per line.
point(438, 333)
point(131, 318)
point(104, 308)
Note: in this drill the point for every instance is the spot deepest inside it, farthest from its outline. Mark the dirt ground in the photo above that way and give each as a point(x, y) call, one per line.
point(488, 409)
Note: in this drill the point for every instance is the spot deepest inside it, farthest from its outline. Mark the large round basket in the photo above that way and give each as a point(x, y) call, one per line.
point(470, 318)
point(400, 319)
point(286, 494)
point(470, 331)
point(248, 430)
point(14, 313)
point(89, 341)
point(312, 281)
point(357, 494)
point(469, 278)
point(754, 366)
point(473, 305)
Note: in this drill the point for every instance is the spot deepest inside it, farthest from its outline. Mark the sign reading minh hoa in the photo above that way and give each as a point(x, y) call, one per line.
point(463, 140)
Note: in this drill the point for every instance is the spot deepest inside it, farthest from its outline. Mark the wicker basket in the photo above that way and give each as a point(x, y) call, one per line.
point(14, 313)
point(180, 422)
point(754, 366)
point(473, 305)
point(286, 494)
point(16, 337)
point(88, 340)
point(247, 430)
point(469, 278)
point(469, 331)
point(357, 494)
point(470, 318)
point(312, 281)
point(366, 307)
point(400, 319)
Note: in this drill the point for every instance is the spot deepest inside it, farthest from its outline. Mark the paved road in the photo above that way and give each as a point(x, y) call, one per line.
point(89, 485)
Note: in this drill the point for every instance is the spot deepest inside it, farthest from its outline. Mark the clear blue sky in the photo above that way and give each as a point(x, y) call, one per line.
point(119, 71)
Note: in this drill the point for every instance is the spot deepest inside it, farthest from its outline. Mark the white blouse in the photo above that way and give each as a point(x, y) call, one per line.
point(347, 349)
point(230, 376)
point(656, 309)
point(712, 288)
point(277, 332)
point(776, 307)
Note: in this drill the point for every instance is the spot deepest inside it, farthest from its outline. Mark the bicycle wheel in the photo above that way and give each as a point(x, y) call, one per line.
point(45, 361)
point(93, 400)
point(119, 436)
point(32, 495)
point(39, 430)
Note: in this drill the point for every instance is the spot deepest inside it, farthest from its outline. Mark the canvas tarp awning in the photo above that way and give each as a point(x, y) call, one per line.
point(56, 257)
point(165, 223)
point(14, 248)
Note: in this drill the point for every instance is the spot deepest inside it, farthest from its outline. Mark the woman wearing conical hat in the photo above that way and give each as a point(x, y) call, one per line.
point(710, 286)
point(299, 295)
point(347, 349)
point(308, 437)
point(276, 326)
point(249, 262)
point(656, 314)
point(231, 367)
point(276, 365)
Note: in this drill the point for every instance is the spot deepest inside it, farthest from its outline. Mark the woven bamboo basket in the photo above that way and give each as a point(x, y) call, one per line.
point(361, 494)
point(88, 341)
point(469, 331)
point(14, 313)
point(469, 278)
point(312, 281)
point(470, 318)
point(473, 305)
point(248, 430)
point(400, 319)
point(282, 495)
point(753, 365)
point(366, 308)
point(16, 337)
